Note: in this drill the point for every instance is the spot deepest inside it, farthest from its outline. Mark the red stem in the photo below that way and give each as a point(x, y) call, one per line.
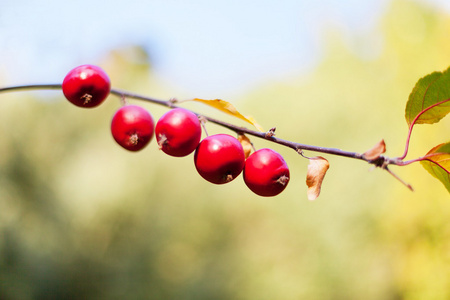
point(414, 123)
point(427, 158)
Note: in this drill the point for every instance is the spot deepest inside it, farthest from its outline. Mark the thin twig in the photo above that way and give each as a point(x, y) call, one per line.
point(399, 179)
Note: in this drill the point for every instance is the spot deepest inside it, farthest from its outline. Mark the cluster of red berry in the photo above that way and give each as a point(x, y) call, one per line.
point(218, 158)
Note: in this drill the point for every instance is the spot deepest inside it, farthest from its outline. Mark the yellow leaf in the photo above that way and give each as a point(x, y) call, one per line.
point(246, 144)
point(317, 168)
point(228, 108)
point(437, 162)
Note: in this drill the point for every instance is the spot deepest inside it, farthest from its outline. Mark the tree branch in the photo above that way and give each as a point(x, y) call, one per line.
point(381, 161)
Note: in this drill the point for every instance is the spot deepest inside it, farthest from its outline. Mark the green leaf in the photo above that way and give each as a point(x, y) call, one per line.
point(437, 162)
point(429, 100)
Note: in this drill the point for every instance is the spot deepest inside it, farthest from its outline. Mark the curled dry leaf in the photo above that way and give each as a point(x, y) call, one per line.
point(375, 151)
point(246, 144)
point(317, 168)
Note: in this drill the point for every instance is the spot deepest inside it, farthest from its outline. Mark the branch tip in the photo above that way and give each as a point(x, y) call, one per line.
point(398, 178)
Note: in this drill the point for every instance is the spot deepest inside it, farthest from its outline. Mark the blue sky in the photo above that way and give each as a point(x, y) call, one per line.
point(201, 46)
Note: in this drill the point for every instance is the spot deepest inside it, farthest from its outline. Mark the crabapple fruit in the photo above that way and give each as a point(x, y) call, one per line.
point(86, 86)
point(178, 132)
point(266, 172)
point(219, 158)
point(132, 127)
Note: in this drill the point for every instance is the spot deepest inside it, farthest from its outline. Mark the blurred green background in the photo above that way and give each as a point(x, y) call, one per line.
point(81, 218)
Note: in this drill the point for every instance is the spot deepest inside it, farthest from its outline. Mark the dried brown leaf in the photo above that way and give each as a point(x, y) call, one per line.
point(317, 168)
point(246, 144)
point(375, 151)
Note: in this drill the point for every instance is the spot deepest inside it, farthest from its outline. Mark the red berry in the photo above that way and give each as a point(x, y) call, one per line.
point(266, 173)
point(86, 86)
point(132, 127)
point(178, 132)
point(219, 158)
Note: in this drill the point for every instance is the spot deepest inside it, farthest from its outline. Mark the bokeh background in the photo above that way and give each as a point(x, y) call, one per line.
point(81, 218)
